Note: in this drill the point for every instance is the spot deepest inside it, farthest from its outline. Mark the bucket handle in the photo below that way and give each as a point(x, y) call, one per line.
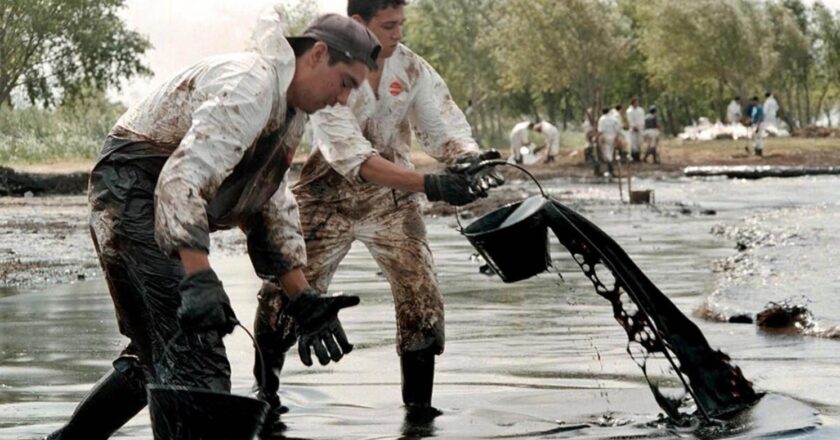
point(494, 162)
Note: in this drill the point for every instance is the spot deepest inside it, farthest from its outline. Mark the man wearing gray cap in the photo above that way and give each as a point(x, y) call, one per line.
point(209, 150)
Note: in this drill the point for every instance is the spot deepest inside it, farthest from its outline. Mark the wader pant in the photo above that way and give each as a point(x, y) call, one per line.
point(395, 235)
point(636, 144)
point(143, 283)
point(606, 151)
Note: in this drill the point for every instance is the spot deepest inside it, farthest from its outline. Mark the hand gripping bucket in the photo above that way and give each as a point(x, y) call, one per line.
point(186, 413)
point(514, 238)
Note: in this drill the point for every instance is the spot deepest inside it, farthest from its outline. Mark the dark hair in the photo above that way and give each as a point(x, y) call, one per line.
point(737, 98)
point(368, 8)
point(755, 98)
point(302, 45)
point(605, 110)
point(767, 95)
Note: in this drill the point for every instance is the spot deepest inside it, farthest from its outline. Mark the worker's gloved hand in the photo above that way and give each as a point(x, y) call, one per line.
point(465, 181)
point(455, 189)
point(204, 303)
point(319, 327)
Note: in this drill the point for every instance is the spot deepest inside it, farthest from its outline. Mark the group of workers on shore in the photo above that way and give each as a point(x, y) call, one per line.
point(607, 138)
point(210, 149)
point(759, 117)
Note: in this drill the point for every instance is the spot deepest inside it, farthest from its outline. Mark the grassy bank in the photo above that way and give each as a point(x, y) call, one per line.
point(69, 133)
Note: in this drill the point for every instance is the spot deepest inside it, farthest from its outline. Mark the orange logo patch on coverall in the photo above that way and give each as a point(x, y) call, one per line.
point(396, 88)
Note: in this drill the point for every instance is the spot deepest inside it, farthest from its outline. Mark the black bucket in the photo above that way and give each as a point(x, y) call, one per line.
point(186, 413)
point(514, 238)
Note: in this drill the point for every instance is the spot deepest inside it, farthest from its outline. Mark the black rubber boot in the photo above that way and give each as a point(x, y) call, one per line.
point(112, 402)
point(267, 391)
point(418, 377)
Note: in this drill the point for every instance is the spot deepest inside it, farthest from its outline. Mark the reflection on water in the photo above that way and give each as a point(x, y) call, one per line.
point(542, 358)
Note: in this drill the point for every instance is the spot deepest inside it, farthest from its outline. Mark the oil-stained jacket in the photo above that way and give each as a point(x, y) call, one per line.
point(230, 137)
point(411, 95)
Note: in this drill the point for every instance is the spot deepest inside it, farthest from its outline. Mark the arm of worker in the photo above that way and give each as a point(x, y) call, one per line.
point(439, 125)
point(338, 137)
point(278, 253)
point(226, 121)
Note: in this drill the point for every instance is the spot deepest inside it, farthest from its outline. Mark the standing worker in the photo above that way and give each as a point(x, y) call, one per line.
point(733, 111)
point(757, 119)
point(771, 109)
point(519, 139)
point(359, 184)
point(209, 150)
point(552, 139)
point(651, 135)
point(636, 122)
point(609, 129)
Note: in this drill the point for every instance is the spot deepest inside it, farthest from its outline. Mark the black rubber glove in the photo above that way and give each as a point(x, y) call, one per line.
point(319, 327)
point(204, 303)
point(483, 176)
point(455, 189)
point(465, 181)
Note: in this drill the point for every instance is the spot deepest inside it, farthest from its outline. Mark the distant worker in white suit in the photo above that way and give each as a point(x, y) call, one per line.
point(552, 139)
point(636, 123)
point(771, 109)
point(519, 138)
point(609, 129)
point(733, 111)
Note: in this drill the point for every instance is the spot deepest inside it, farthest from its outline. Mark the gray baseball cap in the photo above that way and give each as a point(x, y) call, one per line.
point(343, 34)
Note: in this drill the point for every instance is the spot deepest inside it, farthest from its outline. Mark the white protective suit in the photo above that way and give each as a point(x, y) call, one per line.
point(552, 137)
point(338, 207)
point(518, 139)
point(207, 119)
point(733, 113)
point(771, 109)
point(636, 122)
point(609, 128)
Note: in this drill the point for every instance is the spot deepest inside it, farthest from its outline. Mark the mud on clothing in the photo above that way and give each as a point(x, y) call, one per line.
point(338, 207)
point(207, 150)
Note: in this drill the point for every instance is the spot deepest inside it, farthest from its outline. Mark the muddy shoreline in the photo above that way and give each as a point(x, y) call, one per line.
point(45, 236)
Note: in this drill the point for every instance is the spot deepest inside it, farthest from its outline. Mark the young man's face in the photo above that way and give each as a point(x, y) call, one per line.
point(322, 85)
point(387, 25)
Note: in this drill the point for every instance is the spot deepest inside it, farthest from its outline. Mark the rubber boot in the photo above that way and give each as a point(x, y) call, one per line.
point(267, 391)
point(113, 401)
point(418, 377)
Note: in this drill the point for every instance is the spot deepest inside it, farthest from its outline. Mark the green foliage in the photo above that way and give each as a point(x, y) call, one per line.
point(300, 14)
point(533, 59)
point(55, 48)
point(73, 130)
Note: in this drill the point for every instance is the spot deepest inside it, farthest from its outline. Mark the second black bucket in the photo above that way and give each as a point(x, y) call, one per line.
point(513, 239)
point(183, 413)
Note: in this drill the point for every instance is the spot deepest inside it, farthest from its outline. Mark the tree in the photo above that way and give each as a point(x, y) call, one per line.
point(469, 69)
point(551, 47)
point(54, 49)
point(300, 15)
point(705, 47)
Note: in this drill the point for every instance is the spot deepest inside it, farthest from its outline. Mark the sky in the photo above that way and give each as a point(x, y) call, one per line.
point(185, 31)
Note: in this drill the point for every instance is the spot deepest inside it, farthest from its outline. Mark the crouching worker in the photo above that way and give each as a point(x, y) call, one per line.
point(209, 150)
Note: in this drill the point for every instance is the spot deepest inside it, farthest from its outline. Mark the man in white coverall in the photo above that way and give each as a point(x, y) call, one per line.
point(209, 150)
point(552, 139)
point(609, 129)
point(519, 138)
point(733, 111)
point(771, 109)
point(359, 184)
point(636, 122)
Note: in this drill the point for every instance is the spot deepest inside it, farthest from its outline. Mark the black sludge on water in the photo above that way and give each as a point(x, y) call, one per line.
point(717, 386)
